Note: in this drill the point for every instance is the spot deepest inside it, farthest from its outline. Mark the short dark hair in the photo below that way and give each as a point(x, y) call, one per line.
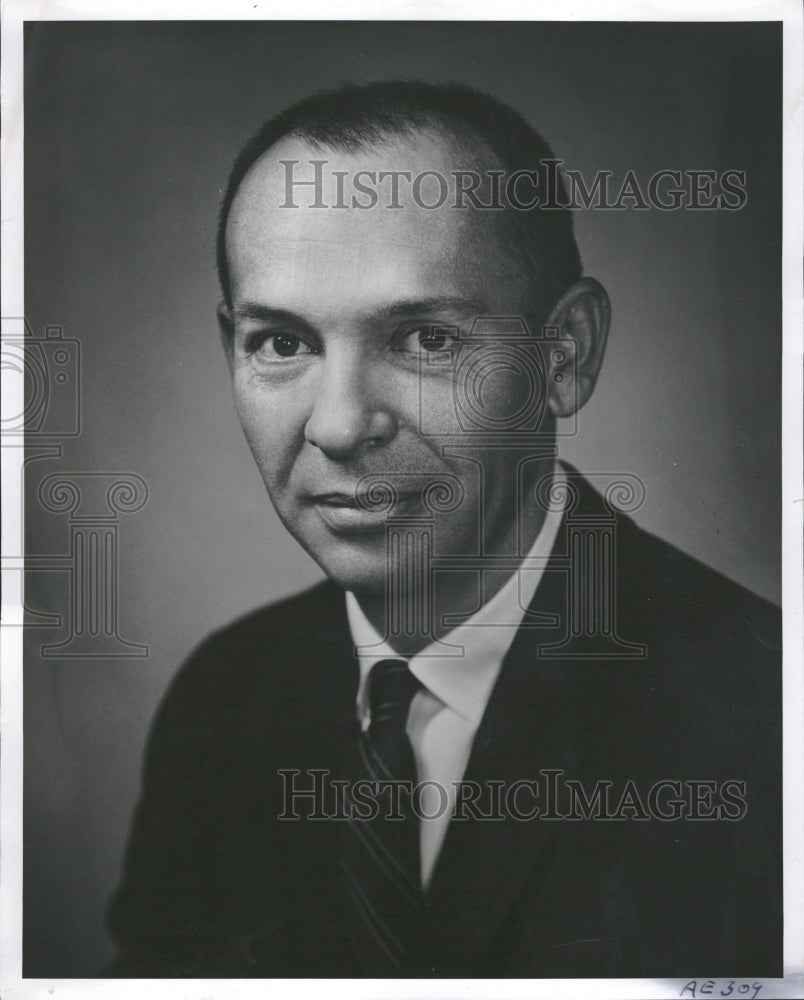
point(352, 117)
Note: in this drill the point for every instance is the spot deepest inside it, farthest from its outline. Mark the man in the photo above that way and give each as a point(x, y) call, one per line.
point(510, 735)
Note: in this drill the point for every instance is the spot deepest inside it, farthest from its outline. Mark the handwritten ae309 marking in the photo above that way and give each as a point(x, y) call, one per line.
point(710, 987)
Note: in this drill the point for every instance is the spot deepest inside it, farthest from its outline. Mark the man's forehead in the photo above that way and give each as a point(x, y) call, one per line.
point(312, 242)
point(304, 200)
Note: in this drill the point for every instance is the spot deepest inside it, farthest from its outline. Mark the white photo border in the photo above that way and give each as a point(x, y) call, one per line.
point(14, 14)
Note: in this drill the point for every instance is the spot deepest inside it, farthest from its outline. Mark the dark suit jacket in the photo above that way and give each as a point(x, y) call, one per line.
point(216, 885)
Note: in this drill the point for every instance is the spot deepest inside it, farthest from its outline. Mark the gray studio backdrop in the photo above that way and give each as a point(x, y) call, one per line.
point(129, 133)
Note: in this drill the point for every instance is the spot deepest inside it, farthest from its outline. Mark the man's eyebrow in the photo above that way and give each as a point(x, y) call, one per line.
point(269, 314)
point(410, 307)
point(403, 307)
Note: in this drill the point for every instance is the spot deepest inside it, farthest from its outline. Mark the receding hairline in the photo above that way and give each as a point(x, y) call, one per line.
point(474, 155)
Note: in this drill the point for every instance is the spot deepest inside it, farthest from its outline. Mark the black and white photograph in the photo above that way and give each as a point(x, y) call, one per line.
point(402, 504)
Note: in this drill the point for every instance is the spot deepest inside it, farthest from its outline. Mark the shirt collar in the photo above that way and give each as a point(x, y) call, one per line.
point(462, 668)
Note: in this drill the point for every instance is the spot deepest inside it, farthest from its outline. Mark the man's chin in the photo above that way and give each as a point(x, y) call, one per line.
point(365, 580)
point(359, 567)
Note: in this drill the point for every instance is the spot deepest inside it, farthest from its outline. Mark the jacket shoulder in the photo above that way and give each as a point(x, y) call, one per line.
point(260, 637)
point(318, 603)
point(660, 586)
point(653, 572)
point(248, 670)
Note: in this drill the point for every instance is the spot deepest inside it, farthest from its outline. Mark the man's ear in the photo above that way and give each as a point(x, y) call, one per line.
point(226, 326)
point(573, 361)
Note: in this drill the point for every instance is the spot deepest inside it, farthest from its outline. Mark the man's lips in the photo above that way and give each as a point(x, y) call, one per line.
point(362, 499)
point(336, 499)
point(356, 512)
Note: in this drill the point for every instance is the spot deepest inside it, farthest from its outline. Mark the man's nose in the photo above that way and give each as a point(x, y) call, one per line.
point(350, 413)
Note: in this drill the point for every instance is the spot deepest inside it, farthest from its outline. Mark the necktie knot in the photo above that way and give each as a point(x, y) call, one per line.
point(391, 688)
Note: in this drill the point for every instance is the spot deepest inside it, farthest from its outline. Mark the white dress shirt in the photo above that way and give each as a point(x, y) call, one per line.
point(445, 714)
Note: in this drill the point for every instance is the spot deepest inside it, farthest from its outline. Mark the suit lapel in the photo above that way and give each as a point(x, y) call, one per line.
point(539, 716)
point(484, 861)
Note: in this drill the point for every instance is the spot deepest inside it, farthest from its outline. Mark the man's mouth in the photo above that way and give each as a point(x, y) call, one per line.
point(337, 499)
point(358, 512)
point(366, 498)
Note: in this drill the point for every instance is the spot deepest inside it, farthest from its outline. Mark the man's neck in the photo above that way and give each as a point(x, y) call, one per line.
point(453, 593)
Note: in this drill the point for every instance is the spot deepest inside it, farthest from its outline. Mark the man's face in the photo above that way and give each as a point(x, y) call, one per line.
point(332, 315)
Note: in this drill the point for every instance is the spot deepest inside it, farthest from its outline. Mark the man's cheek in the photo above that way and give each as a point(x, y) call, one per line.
point(436, 412)
point(273, 448)
point(276, 459)
point(270, 418)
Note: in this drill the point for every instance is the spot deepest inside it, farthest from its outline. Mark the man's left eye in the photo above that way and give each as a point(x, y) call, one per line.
point(429, 339)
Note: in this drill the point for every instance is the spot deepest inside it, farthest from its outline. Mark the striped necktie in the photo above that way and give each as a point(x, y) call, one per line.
point(380, 856)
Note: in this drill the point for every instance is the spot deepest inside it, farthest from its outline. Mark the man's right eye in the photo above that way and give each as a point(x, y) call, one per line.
point(282, 344)
point(285, 344)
